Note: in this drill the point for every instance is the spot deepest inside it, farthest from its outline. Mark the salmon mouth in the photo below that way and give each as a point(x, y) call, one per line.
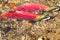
point(47, 17)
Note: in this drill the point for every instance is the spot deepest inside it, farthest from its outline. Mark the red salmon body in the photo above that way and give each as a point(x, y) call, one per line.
point(21, 15)
point(31, 7)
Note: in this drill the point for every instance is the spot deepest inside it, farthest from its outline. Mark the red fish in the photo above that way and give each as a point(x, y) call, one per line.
point(31, 7)
point(23, 16)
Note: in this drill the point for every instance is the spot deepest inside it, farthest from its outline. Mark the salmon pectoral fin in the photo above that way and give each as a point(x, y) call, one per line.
point(32, 21)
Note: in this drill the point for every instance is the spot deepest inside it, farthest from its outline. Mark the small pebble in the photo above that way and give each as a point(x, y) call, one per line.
point(39, 38)
point(7, 29)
